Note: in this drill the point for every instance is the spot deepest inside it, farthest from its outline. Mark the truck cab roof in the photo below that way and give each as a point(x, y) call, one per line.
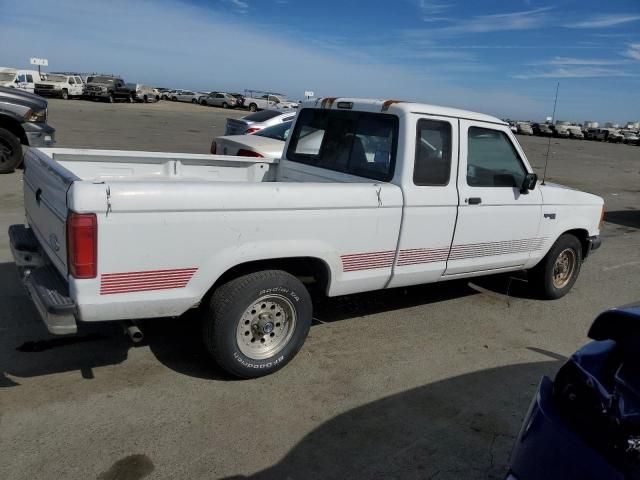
point(396, 106)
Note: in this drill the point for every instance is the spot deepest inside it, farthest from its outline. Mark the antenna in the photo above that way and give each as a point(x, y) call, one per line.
point(553, 118)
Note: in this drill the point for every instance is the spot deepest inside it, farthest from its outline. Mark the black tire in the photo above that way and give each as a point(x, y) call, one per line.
point(174, 99)
point(111, 98)
point(145, 99)
point(10, 151)
point(542, 277)
point(253, 107)
point(193, 100)
point(65, 94)
point(225, 105)
point(130, 98)
point(203, 102)
point(231, 303)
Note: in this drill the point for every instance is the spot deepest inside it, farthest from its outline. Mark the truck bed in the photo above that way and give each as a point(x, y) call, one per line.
point(114, 165)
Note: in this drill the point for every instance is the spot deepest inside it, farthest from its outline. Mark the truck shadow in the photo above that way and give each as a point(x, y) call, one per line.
point(624, 218)
point(461, 427)
point(28, 350)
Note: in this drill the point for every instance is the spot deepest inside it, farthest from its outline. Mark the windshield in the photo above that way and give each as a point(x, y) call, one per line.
point(262, 116)
point(101, 80)
point(7, 76)
point(55, 78)
point(277, 132)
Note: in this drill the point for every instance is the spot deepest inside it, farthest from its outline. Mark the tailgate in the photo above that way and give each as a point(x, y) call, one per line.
point(45, 201)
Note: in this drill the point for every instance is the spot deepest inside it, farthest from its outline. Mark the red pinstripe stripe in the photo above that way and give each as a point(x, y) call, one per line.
point(126, 282)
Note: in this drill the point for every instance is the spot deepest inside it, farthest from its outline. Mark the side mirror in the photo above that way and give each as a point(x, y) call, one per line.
point(529, 182)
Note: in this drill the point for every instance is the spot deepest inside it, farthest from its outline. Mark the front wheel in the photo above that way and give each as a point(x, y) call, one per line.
point(253, 107)
point(65, 94)
point(10, 151)
point(255, 324)
point(556, 273)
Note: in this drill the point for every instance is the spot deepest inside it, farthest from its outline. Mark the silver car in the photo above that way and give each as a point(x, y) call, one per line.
point(258, 120)
point(219, 99)
point(186, 96)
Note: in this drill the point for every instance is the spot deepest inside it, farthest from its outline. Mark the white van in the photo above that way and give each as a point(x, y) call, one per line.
point(16, 78)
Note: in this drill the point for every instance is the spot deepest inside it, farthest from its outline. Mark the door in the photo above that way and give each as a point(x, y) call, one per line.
point(498, 224)
point(430, 201)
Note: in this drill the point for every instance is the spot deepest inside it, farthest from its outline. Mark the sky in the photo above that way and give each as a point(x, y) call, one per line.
point(501, 57)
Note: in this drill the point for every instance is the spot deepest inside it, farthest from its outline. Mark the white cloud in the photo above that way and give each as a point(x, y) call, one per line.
point(566, 61)
point(240, 5)
point(523, 20)
point(429, 7)
point(633, 51)
point(576, 72)
point(603, 21)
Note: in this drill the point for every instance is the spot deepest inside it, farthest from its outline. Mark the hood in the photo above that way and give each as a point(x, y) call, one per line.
point(555, 194)
point(21, 97)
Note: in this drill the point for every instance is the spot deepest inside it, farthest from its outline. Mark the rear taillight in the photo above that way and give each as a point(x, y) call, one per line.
point(248, 153)
point(252, 130)
point(213, 148)
point(82, 244)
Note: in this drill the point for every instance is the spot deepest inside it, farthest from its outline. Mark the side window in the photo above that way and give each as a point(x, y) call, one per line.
point(432, 166)
point(71, 81)
point(492, 160)
point(219, 95)
point(29, 78)
point(22, 78)
point(78, 80)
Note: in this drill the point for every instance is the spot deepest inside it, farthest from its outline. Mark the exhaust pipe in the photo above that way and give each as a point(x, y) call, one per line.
point(131, 329)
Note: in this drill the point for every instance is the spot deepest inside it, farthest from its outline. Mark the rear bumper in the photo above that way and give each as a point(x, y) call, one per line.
point(548, 449)
point(48, 290)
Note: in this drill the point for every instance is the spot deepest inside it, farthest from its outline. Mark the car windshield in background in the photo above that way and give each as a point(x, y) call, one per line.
point(358, 143)
point(262, 116)
point(6, 77)
point(56, 78)
point(277, 132)
point(100, 80)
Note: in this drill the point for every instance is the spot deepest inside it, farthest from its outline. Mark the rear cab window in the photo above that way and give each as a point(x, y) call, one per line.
point(432, 165)
point(358, 143)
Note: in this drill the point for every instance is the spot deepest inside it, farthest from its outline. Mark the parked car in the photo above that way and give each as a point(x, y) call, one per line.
point(542, 130)
point(111, 89)
point(257, 121)
point(59, 85)
point(524, 128)
point(166, 94)
point(630, 137)
point(575, 132)
point(219, 99)
point(262, 100)
point(186, 96)
point(23, 123)
point(146, 94)
point(239, 99)
point(18, 78)
point(590, 133)
point(513, 127)
point(611, 135)
point(268, 142)
point(337, 213)
point(585, 424)
point(561, 129)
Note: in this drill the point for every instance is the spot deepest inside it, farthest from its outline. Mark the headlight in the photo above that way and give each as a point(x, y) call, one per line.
point(36, 116)
point(104, 89)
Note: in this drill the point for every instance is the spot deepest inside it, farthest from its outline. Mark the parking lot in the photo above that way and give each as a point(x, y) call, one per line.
point(422, 382)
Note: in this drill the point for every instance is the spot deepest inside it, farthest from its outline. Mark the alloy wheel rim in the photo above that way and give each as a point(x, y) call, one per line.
point(563, 268)
point(266, 326)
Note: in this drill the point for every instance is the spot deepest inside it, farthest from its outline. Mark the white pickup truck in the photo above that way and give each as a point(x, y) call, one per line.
point(267, 101)
point(369, 195)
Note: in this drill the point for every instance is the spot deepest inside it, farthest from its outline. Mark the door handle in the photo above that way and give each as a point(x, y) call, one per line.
point(474, 200)
point(38, 196)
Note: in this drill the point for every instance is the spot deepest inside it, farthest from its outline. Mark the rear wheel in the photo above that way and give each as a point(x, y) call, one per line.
point(255, 324)
point(193, 100)
point(557, 272)
point(253, 107)
point(225, 105)
point(10, 151)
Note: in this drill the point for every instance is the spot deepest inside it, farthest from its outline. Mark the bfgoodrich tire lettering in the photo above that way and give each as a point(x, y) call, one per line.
point(233, 315)
point(556, 273)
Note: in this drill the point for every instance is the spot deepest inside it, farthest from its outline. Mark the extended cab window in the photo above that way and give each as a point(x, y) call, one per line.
point(492, 160)
point(358, 143)
point(432, 166)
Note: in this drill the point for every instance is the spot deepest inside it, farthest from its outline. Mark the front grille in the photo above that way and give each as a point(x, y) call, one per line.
point(93, 88)
point(42, 86)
